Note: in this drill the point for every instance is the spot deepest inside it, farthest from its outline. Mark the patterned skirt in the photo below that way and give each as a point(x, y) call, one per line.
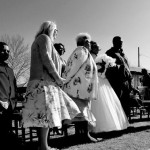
point(46, 105)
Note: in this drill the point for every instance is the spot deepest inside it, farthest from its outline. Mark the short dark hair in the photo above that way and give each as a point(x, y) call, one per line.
point(2, 44)
point(93, 43)
point(93, 46)
point(144, 71)
point(57, 47)
point(116, 39)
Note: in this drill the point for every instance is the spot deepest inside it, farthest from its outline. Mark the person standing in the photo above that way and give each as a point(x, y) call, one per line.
point(46, 104)
point(81, 83)
point(107, 108)
point(145, 80)
point(120, 76)
point(60, 48)
point(8, 100)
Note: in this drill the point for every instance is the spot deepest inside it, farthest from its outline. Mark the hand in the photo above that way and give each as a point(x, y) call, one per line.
point(61, 82)
point(5, 105)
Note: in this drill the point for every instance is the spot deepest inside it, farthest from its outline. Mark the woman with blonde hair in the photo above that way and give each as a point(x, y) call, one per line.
point(46, 105)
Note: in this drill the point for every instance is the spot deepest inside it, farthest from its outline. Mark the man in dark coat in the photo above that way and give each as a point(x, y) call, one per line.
point(120, 76)
point(8, 99)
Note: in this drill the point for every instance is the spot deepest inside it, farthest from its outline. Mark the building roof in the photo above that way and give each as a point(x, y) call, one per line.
point(137, 69)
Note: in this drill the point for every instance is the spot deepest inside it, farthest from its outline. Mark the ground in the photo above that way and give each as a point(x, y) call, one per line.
point(136, 137)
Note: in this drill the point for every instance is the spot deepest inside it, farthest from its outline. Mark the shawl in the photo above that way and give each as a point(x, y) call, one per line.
point(81, 75)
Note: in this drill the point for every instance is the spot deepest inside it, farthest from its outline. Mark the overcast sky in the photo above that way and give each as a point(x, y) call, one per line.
point(102, 19)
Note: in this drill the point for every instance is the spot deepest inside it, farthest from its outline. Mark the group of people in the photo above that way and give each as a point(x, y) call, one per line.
point(90, 90)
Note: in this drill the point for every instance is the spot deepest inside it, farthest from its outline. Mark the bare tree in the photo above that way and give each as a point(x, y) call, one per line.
point(19, 59)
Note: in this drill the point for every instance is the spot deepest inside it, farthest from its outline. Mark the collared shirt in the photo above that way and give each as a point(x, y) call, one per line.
point(7, 85)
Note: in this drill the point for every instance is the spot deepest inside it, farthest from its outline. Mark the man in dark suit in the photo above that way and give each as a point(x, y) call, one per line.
point(120, 76)
point(8, 99)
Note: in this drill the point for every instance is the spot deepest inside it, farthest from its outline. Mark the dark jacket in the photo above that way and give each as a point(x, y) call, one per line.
point(8, 88)
point(120, 76)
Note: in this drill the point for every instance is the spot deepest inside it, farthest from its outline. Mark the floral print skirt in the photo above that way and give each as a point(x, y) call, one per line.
point(46, 105)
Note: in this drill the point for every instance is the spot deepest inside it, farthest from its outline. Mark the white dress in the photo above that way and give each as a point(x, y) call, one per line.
point(107, 109)
point(46, 104)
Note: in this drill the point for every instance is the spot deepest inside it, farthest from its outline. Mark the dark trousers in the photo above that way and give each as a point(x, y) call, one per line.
point(8, 139)
point(125, 100)
point(5, 127)
point(5, 122)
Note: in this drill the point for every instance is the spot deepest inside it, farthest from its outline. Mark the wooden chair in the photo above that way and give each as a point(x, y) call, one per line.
point(136, 105)
point(17, 117)
point(65, 129)
point(24, 133)
point(17, 127)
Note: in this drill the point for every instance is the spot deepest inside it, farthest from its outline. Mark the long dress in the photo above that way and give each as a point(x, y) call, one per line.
point(46, 103)
point(107, 109)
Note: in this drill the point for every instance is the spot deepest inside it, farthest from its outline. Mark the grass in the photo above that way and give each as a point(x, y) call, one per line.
point(136, 137)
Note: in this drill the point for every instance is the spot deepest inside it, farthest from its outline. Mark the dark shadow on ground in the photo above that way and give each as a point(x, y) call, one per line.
point(134, 120)
point(59, 142)
point(131, 129)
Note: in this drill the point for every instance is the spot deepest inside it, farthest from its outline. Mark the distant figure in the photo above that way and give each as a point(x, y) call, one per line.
point(8, 100)
point(46, 104)
point(82, 82)
point(120, 77)
point(60, 48)
point(145, 80)
point(135, 98)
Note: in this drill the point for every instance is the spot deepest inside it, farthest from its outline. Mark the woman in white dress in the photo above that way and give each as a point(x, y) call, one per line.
point(46, 105)
point(107, 109)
